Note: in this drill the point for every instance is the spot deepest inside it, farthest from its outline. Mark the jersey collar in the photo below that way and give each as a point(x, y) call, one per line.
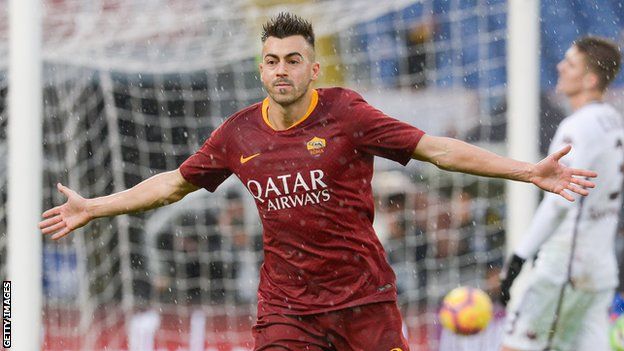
point(313, 103)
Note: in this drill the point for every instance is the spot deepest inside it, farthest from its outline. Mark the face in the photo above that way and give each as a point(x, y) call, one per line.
point(287, 69)
point(574, 76)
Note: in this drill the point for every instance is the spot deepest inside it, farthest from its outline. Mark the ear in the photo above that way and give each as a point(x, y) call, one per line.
point(590, 81)
point(316, 69)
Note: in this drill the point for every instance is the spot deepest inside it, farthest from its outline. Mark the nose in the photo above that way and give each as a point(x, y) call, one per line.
point(280, 70)
point(560, 66)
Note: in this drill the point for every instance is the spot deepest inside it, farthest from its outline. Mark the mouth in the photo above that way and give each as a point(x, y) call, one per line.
point(282, 85)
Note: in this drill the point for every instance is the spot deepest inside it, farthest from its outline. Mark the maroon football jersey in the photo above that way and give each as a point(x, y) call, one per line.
point(312, 187)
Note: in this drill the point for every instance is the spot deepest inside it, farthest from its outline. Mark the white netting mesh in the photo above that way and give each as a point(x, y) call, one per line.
point(169, 35)
point(132, 88)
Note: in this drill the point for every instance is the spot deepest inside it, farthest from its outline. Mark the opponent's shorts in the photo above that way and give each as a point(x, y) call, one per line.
point(583, 323)
point(372, 327)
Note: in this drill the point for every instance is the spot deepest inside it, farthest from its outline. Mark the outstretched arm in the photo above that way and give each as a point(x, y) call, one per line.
point(548, 174)
point(159, 190)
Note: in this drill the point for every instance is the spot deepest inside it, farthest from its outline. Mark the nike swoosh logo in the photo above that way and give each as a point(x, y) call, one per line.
point(245, 159)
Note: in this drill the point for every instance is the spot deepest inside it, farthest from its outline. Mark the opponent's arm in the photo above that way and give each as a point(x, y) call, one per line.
point(549, 215)
point(549, 174)
point(159, 190)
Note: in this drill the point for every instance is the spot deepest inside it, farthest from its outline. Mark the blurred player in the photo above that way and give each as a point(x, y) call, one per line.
point(565, 306)
point(306, 156)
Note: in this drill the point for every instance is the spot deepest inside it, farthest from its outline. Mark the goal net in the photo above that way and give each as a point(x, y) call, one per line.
point(133, 87)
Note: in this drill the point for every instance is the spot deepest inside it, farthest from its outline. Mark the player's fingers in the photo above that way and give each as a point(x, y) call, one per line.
point(583, 173)
point(583, 182)
point(562, 152)
point(51, 212)
point(577, 189)
point(566, 195)
point(50, 221)
point(63, 189)
point(61, 234)
point(53, 228)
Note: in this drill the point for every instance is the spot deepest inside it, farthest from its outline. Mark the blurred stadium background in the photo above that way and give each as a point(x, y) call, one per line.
point(132, 88)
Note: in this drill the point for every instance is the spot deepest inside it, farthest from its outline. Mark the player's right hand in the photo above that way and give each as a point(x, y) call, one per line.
point(510, 271)
point(62, 220)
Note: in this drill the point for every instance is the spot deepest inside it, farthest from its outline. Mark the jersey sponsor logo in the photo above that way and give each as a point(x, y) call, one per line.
point(397, 349)
point(290, 190)
point(244, 160)
point(316, 145)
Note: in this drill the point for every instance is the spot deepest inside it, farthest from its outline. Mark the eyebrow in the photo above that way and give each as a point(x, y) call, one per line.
point(295, 53)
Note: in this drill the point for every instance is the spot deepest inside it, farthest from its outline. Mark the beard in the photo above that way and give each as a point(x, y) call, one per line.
point(284, 97)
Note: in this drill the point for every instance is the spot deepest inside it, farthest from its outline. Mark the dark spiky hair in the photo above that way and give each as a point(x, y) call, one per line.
point(602, 57)
point(286, 24)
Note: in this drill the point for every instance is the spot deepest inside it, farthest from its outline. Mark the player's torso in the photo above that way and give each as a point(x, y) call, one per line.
point(594, 264)
point(312, 189)
point(604, 130)
point(303, 169)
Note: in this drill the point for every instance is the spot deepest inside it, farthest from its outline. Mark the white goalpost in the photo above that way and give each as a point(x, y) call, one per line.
point(25, 165)
point(523, 110)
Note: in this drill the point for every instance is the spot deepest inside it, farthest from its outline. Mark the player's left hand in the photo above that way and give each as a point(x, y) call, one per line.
point(551, 175)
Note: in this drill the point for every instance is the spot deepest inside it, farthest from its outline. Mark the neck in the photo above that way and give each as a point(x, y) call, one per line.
point(579, 100)
point(283, 117)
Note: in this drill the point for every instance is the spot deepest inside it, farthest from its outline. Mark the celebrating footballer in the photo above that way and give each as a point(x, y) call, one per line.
point(306, 156)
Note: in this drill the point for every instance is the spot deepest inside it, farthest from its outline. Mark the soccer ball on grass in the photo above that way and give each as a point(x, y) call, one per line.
point(466, 310)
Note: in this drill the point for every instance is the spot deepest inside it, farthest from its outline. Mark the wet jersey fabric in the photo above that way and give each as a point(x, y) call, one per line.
point(312, 187)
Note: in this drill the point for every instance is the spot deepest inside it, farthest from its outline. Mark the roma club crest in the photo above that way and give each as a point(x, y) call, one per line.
point(316, 145)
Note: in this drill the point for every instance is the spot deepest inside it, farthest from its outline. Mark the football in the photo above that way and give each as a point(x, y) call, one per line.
point(616, 335)
point(466, 310)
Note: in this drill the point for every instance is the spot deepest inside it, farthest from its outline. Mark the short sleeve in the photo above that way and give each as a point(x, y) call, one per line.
point(373, 132)
point(208, 167)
